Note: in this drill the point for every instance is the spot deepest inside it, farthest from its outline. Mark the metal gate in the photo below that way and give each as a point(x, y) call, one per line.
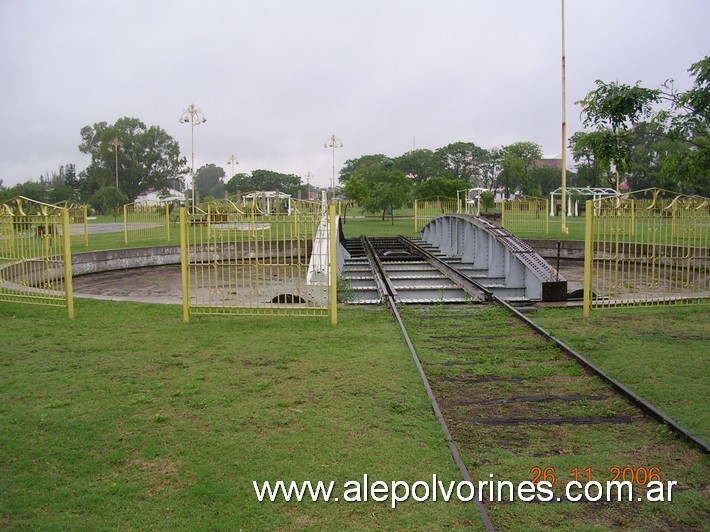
point(238, 260)
point(35, 254)
point(649, 247)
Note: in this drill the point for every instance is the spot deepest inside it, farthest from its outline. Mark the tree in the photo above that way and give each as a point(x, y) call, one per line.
point(462, 160)
point(61, 193)
point(351, 165)
point(440, 187)
point(593, 169)
point(379, 187)
point(148, 158)
point(681, 116)
point(420, 165)
point(30, 189)
point(264, 180)
point(543, 181)
point(517, 167)
point(488, 200)
point(108, 199)
point(490, 169)
point(208, 181)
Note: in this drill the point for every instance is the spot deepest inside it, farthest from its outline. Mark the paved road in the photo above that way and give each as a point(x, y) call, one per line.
point(117, 227)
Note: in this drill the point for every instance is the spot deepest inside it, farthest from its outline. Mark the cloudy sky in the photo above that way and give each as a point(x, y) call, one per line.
point(275, 78)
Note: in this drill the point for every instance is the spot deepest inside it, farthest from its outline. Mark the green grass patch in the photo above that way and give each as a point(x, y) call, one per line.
point(659, 352)
point(499, 385)
point(125, 418)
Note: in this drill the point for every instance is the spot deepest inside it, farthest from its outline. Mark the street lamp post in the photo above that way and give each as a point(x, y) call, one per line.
point(194, 117)
point(234, 161)
point(333, 143)
point(308, 185)
point(117, 144)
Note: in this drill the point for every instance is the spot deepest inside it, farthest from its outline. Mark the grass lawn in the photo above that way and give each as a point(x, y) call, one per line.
point(125, 418)
point(662, 353)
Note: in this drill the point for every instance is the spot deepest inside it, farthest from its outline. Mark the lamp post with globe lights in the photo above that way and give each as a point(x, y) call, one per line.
point(233, 161)
point(194, 117)
point(333, 142)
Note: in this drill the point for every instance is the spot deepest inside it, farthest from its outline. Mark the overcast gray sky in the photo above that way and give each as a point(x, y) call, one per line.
point(275, 78)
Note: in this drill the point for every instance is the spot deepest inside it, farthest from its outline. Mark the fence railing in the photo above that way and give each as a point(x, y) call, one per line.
point(426, 210)
point(525, 215)
point(35, 254)
point(79, 224)
point(649, 247)
point(242, 262)
point(146, 222)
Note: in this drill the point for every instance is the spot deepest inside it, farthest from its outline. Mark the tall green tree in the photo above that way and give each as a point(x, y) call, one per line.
point(683, 116)
point(351, 165)
point(30, 189)
point(490, 169)
point(209, 181)
point(462, 160)
point(420, 165)
point(108, 199)
point(440, 187)
point(264, 180)
point(517, 164)
point(379, 187)
point(593, 168)
point(148, 158)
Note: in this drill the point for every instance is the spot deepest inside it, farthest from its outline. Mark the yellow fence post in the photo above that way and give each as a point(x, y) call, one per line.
point(125, 224)
point(167, 221)
point(588, 252)
point(68, 285)
point(86, 225)
point(502, 213)
point(333, 268)
point(547, 216)
point(184, 255)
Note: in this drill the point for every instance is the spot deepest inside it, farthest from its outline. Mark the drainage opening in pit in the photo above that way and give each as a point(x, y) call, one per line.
point(288, 298)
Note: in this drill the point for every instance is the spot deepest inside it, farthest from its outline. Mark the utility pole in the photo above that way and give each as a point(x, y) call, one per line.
point(563, 226)
point(117, 144)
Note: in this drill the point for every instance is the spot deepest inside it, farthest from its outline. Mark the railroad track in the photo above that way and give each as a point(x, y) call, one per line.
point(517, 405)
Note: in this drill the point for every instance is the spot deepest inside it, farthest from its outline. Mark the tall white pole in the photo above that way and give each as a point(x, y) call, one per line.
point(564, 228)
point(194, 117)
point(116, 145)
point(234, 161)
point(333, 143)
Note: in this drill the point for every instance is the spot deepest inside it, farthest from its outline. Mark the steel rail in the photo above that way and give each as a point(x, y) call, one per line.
point(627, 393)
point(471, 287)
point(384, 286)
point(390, 294)
point(619, 387)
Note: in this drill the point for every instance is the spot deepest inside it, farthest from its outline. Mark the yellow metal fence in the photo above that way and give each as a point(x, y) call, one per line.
point(426, 210)
point(146, 222)
point(35, 254)
point(79, 224)
point(650, 247)
point(526, 215)
point(236, 261)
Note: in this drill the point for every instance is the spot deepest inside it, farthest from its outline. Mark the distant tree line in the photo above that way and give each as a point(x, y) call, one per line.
point(380, 183)
point(642, 136)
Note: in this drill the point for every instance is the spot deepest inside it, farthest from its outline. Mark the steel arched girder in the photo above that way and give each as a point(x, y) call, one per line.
point(494, 256)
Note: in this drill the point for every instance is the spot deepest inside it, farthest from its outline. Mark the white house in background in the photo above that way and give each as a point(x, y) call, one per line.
point(157, 198)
